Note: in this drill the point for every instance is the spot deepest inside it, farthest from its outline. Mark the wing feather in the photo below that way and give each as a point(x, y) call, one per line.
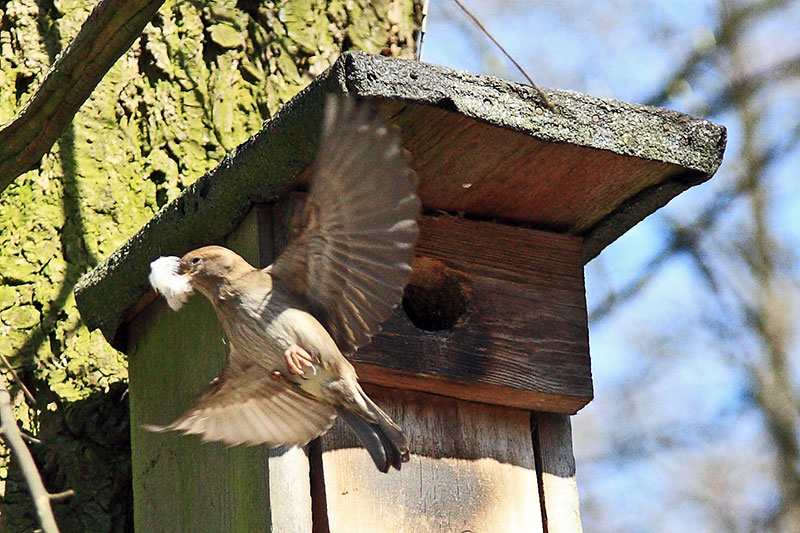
point(246, 408)
point(352, 258)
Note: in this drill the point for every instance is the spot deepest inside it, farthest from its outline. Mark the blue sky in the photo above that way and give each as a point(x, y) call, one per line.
point(626, 50)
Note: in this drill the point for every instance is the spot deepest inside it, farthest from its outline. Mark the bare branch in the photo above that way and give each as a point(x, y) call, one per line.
point(634, 287)
point(726, 34)
point(749, 84)
point(16, 378)
point(58, 496)
point(682, 238)
point(536, 88)
point(108, 32)
point(422, 29)
point(11, 434)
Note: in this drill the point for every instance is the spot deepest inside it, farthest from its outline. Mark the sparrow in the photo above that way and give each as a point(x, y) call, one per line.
point(289, 326)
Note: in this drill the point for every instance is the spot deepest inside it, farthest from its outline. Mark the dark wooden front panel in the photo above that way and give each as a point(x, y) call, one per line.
point(512, 304)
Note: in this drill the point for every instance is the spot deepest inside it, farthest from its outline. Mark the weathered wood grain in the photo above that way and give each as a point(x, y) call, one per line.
point(471, 469)
point(509, 309)
point(470, 166)
point(180, 484)
point(520, 337)
point(289, 498)
point(556, 463)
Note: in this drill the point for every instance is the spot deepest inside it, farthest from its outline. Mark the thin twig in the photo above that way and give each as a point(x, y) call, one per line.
point(11, 434)
point(16, 378)
point(422, 28)
point(29, 438)
point(536, 88)
point(58, 496)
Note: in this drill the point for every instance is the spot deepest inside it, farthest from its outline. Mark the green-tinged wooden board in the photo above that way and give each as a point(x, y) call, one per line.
point(179, 483)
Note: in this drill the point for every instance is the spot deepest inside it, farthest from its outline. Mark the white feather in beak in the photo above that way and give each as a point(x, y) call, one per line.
point(165, 279)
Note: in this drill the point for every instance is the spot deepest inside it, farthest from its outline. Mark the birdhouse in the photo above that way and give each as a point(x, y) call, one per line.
point(488, 353)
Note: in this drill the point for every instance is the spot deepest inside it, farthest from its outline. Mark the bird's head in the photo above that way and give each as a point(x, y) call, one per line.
point(208, 267)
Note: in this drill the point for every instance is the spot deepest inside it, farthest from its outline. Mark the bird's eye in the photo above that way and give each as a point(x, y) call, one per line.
point(195, 260)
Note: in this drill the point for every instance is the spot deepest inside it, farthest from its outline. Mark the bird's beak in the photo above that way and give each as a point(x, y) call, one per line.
point(184, 269)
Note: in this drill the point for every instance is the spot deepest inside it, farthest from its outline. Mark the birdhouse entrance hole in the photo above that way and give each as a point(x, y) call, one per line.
point(435, 298)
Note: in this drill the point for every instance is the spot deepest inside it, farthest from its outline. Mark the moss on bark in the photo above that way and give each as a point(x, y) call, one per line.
point(199, 81)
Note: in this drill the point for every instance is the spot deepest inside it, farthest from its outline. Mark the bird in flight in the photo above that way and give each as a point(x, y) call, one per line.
point(289, 326)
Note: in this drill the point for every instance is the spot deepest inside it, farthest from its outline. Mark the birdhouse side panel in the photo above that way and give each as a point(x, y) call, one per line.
point(472, 468)
point(179, 483)
point(555, 463)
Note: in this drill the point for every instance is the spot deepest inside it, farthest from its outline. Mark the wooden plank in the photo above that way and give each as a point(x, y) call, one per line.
point(472, 468)
point(289, 474)
point(511, 309)
point(508, 308)
point(289, 491)
point(180, 484)
point(508, 305)
point(487, 171)
point(556, 465)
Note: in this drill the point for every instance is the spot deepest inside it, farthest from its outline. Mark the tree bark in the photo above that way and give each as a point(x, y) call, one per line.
point(104, 37)
point(200, 79)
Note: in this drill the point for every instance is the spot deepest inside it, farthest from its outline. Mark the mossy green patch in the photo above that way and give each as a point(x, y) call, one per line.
point(20, 316)
point(226, 36)
point(200, 80)
point(8, 296)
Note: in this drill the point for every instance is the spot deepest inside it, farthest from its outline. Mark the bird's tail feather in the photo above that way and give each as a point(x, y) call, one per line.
point(383, 439)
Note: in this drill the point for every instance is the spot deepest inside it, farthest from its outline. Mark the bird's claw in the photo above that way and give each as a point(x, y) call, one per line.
point(297, 360)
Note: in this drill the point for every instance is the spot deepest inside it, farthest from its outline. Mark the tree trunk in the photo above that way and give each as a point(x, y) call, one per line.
point(199, 81)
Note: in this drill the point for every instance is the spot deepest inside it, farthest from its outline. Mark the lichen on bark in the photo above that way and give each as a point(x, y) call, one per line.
point(201, 79)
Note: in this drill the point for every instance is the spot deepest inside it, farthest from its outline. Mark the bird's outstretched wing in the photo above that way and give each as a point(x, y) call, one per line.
point(352, 258)
point(252, 408)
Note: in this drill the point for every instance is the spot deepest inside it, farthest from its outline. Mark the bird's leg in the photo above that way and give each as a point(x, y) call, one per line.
point(297, 360)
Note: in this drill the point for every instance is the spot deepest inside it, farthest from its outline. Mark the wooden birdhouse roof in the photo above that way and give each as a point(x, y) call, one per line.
point(482, 146)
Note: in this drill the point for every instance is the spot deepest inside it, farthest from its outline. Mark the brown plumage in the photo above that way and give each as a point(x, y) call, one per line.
point(288, 325)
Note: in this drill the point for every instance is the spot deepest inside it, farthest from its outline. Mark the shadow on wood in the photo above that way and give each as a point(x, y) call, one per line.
point(472, 469)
